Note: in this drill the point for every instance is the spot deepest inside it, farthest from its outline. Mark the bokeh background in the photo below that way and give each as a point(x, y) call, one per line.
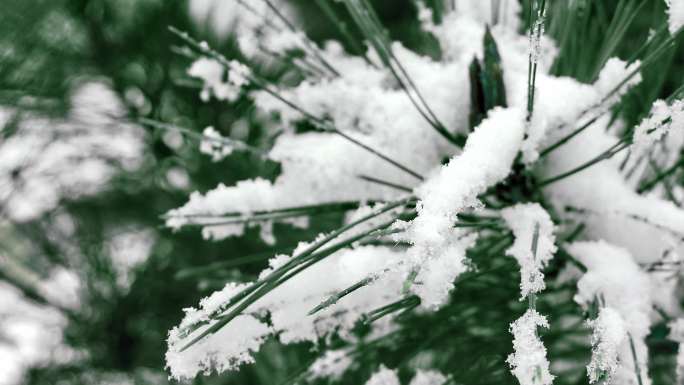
point(90, 280)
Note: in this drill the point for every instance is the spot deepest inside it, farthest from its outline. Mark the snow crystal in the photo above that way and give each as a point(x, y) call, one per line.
point(210, 71)
point(525, 220)
point(608, 336)
point(528, 362)
point(563, 104)
point(326, 172)
point(211, 305)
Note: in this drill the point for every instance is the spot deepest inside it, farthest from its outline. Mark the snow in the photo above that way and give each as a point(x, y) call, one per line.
point(525, 220)
point(218, 15)
point(680, 364)
point(291, 302)
point(211, 72)
point(466, 25)
point(129, 248)
point(528, 361)
point(548, 114)
point(428, 377)
point(437, 274)
point(214, 144)
point(533, 248)
point(245, 198)
point(563, 104)
point(612, 76)
point(602, 205)
point(613, 277)
point(288, 306)
point(366, 103)
point(30, 334)
point(608, 335)
point(331, 365)
point(222, 17)
point(245, 333)
point(677, 334)
point(62, 288)
point(486, 160)
point(383, 376)
point(361, 104)
point(663, 120)
point(536, 32)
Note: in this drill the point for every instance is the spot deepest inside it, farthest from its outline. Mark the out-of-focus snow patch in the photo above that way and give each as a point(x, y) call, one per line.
point(62, 288)
point(47, 160)
point(30, 334)
point(128, 248)
point(384, 376)
point(254, 23)
point(428, 377)
point(330, 365)
point(675, 13)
